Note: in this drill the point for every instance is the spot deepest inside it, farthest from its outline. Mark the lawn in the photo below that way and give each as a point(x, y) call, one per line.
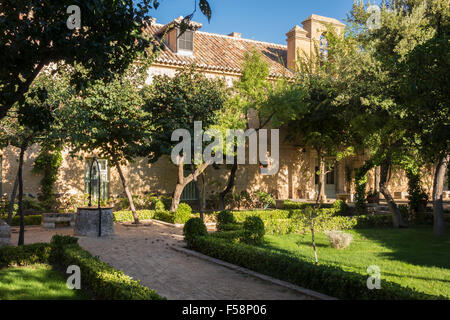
point(410, 257)
point(36, 282)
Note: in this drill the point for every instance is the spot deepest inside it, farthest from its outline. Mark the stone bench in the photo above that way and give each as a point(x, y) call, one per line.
point(346, 197)
point(5, 234)
point(49, 220)
point(400, 195)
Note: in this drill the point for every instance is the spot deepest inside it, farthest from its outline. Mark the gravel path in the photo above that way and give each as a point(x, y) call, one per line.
point(144, 253)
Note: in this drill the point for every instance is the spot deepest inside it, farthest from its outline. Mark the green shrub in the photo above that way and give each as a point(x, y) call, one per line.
point(327, 279)
point(30, 220)
point(150, 201)
point(60, 240)
point(159, 205)
point(167, 201)
point(165, 216)
point(4, 207)
point(291, 205)
point(224, 217)
point(32, 204)
point(253, 230)
point(183, 213)
point(194, 228)
point(230, 227)
point(264, 200)
point(125, 216)
point(240, 216)
point(341, 208)
point(373, 221)
point(100, 279)
point(279, 226)
point(234, 235)
point(24, 255)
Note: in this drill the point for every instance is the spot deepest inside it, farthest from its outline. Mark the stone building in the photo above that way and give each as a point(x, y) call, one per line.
point(216, 56)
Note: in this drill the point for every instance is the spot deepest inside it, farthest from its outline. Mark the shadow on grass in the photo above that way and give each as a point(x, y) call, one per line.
point(38, 282)
point(417, 245)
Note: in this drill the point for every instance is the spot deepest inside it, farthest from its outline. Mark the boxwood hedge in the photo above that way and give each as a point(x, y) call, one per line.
point(326, 279)
point(99, 279)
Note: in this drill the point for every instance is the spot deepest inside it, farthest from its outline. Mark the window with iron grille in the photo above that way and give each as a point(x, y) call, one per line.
point(189, 192)
point(104, 182)
point(186, 41)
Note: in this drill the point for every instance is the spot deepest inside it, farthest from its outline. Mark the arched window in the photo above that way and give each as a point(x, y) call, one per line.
point(323, 46)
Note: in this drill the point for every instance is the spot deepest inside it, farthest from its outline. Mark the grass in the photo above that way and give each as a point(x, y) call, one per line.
point(410, 257)
point(36, 282)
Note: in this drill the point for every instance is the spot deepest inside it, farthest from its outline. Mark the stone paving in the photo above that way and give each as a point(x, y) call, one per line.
point(145, 253)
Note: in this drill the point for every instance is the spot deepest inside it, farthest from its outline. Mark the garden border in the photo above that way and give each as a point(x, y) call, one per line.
point(308, 292)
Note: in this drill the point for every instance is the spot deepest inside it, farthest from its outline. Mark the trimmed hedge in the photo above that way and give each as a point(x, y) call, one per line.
point(292, 205)
point(327, 279)
point(98, 278)
point(165, 216)
point(125, 216)
point(253, 230)
point(235, 235)
point(240, 216)
point(30, 220)
point(24, 255)
point(193, 228)
point(373, 221)
point(230, 227)
point(225, 218)
point(286, 226)
point(341, 208)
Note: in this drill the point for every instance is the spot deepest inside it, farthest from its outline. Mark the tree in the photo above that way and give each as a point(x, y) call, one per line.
point(425, 88)
point(410, 50)
point(249, 93)
point(31, 122)
point(176, 103)
point(308, 108)
point(35, 33)
point(107, 117)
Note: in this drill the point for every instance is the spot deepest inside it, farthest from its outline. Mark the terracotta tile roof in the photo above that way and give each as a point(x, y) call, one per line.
point(223, 53)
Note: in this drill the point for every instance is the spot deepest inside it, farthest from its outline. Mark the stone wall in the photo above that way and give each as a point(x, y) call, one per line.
point(295, 179)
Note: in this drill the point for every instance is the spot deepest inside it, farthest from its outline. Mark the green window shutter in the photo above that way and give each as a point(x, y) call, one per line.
point(104, 174)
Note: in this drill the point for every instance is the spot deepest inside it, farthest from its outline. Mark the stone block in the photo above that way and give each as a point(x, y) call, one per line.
point(87, 222)
point(5, 233)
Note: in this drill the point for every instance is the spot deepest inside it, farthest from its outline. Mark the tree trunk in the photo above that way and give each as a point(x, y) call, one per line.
point(439, 226)
point(199, 195)
point(179, 187)
point(314, 245)
point(397, 219)
point(230, 185)
point(184, 181)
point(127, 191)
point(321, 196)
point(13, 199)
point(20, 200)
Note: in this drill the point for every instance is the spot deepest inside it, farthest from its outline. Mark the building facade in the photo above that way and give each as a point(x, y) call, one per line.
point(222, 56)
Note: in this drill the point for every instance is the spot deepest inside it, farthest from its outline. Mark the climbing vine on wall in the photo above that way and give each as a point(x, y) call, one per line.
point(47, 163)
point(360, 187)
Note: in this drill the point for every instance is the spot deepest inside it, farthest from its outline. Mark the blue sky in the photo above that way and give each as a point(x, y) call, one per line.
point(264, 20)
